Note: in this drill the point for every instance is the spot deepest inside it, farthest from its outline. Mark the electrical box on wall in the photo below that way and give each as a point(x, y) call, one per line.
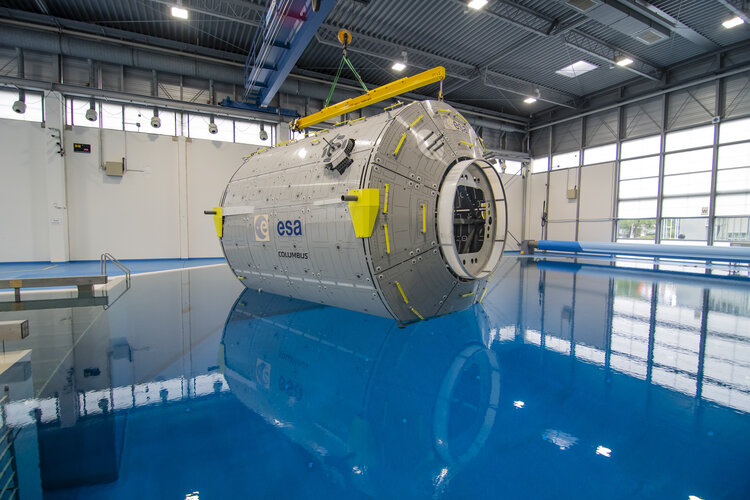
point(573, 193)
point(114, 168)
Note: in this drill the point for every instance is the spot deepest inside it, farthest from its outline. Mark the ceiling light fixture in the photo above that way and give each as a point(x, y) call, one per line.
point(400, 65)
point(731, 23)
point(624, 61)
point(476, 4)
point(179, 12)
point(529, 100)
point(576, 69)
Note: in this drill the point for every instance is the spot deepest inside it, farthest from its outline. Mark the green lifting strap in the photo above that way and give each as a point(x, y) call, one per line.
point(344, 59)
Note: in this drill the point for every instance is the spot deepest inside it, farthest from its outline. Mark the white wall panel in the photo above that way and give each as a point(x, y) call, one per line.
point(596, 192)
point(534, 202)
point(23, 192)
point(132, 217)
point(210, 165)
point(560, 207)
point(513, 185)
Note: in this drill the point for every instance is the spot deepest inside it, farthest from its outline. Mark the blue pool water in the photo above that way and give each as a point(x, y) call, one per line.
point(569, 381)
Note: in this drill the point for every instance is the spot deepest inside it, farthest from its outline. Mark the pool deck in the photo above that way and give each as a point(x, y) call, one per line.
point(20, 270)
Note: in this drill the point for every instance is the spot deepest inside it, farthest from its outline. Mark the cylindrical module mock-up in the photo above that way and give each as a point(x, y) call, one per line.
point(396, 215)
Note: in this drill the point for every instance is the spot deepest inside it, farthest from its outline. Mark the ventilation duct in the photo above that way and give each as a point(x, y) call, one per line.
point(621, 18)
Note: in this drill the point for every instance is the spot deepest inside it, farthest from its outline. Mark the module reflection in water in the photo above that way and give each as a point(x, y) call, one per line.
point(392, 412)
point(395, 215)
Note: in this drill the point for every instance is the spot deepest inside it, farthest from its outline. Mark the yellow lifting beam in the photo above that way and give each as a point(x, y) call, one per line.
point(375, 95)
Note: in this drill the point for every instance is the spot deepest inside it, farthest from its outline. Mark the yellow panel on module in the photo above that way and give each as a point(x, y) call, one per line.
point(364, 211)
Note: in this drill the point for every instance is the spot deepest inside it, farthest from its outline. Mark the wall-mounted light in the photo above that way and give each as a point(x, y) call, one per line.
point(20, 105)
point(624, 61)
point(155, 120)
point(91, 114)
point(179, 12)
point(731, 23)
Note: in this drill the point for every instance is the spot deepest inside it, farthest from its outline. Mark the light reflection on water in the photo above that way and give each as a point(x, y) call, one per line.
point(625, 387)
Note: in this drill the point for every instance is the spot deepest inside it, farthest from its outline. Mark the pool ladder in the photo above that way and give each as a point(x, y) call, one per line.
point(8, 472)
point(105, 257)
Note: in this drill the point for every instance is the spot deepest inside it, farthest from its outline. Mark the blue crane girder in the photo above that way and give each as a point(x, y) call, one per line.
point(295, 36)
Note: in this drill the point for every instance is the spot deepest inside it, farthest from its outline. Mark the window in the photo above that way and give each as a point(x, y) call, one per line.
point(77, 112)
point(685, 229)
point(689, 161)
point(733, 204)
point(513, 167)
point(732, 229)
point(111, 116)
point(643, 167)
point(636, 229)
point(198, 128)
point(566, 160)
point(33, 102)
point(735, 130)
point(600, 154)
point(539, 164)
point(639, 188)
point(137, 119)
point(685, 217)
point(686, 206)
point(637, 209)
point(508, 167)
point(173, 123)
point(641, 147)
point(736, 179)
point(690, 138)
point(737, 155)
point(687, 184)
point(249, 133)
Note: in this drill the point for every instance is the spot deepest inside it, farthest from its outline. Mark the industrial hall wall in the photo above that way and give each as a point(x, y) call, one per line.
point(58, 208)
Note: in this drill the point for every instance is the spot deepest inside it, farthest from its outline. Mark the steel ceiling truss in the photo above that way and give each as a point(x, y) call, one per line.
point(238, 12)
point(739, 8)
point(671, 23)
point(601, 50)
point(525, 88)
point(381, 49)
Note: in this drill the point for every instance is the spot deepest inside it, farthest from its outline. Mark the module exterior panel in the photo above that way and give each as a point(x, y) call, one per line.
point(392, 247)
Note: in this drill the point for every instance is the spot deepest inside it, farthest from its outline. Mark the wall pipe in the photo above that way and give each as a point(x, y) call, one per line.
point(127, 53)
point(137, 99)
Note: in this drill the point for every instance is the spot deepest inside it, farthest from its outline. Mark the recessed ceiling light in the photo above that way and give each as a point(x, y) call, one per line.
point(625, 61)
point(529, 100)
point(398, 66)
point(576, 69)
point(477, 4)
point(731, 23)
point(179, 12)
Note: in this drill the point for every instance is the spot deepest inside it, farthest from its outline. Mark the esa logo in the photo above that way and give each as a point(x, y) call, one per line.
point(260, 224)
point(289, 227)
